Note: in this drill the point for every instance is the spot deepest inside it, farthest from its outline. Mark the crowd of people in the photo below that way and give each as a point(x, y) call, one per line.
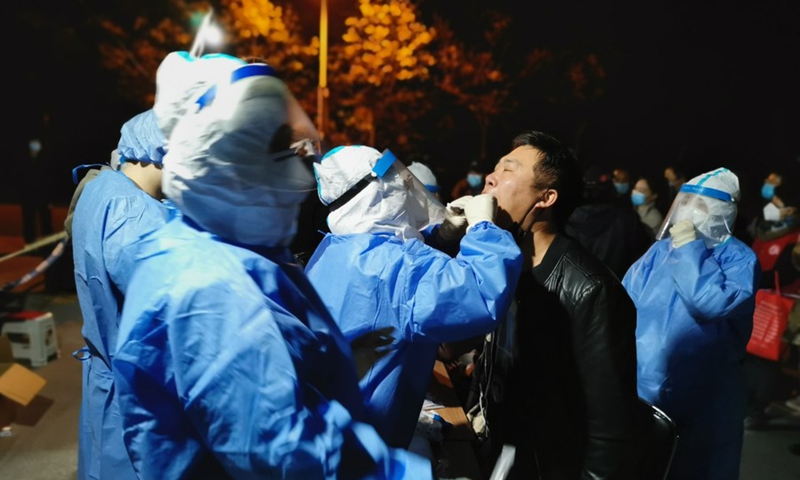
point(256, 308)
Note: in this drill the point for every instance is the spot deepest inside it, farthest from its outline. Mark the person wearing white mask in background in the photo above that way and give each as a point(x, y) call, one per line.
point(228, 365)
point(777, 217)
point(694, 292)
point(644, 200)
point(386, 276)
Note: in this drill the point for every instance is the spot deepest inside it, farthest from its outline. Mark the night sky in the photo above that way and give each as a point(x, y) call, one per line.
point(705, 83)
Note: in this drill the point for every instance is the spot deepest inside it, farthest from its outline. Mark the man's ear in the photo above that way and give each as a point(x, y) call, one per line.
point(548, 199)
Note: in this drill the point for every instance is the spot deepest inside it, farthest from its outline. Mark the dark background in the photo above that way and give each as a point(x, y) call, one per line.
point(707, 84)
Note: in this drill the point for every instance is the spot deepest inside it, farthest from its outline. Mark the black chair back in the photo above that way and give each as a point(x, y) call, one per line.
point(661, 439)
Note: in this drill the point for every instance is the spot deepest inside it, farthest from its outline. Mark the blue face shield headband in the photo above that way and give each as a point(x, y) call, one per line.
point(708, 192)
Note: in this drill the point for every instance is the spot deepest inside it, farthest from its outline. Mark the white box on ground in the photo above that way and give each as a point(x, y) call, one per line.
point(32, 335)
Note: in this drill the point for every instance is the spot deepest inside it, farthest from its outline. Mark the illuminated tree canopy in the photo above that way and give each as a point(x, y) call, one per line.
point(386, 72)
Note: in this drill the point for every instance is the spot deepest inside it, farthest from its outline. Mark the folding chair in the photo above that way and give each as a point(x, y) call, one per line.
point(661, 441)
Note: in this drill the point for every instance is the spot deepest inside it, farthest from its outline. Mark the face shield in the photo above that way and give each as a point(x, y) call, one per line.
point(368, 191)
point(711, 211)
point(230, 166)
point(425, 175)
point(181, 78)
point(421, 201)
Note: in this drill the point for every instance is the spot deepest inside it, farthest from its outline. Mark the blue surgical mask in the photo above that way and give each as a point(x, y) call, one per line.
point(768, 191)
point(474, 180)
point(622, 188)
point(637, 198)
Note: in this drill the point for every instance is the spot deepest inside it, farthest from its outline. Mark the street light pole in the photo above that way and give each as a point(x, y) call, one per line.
point(322, 88)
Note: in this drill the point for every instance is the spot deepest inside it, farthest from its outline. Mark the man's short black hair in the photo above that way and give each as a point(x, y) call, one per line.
point(558, 169)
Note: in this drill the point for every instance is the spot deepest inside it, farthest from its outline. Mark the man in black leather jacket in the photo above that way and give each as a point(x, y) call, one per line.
point(558, 379)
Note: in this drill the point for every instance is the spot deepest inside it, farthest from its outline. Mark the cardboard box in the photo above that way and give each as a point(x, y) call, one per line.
point(18, 385)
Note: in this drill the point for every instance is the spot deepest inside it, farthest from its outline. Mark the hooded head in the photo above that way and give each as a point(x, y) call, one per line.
point(373, 192)
point(141, 140)
point(425, 175)
point(709, 201)
point(230, 168)
point(182, 79)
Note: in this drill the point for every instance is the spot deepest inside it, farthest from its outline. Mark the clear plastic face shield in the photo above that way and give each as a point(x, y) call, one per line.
point(711, 211)
point(420, 204)
point(303, 140)
point(422, 201)
point(231, 166)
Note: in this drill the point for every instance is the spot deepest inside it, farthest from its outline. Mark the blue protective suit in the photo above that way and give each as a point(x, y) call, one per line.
point(371, 281)
point(110, 216)
point(229, 366)
point(695, 315)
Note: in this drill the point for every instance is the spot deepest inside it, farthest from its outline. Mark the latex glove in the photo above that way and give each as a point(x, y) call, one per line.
point(682, 233)
point(370, 347)
point(480, 208)
point(454, 225)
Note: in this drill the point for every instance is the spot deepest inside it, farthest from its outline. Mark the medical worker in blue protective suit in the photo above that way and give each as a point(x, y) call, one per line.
point(228, 364)
point(112, 212)
point(694, 292)
point(374, 270)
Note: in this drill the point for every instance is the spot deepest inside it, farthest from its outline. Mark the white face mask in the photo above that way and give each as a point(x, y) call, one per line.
point(35, 146)
point(714, 227)
point(696, 211)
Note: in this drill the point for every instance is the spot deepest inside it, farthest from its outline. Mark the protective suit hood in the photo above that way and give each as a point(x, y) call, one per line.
point(373, 192)
point(709, 201)
point(141, 139)
point(425, 175)
point(181, 79)
point(227, 167)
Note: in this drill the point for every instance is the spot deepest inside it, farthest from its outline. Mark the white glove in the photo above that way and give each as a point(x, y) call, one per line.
point(480, 208)
point(454, 225)
point(682, 233)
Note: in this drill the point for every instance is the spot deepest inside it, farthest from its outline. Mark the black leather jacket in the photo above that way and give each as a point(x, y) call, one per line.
point(560, 382)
